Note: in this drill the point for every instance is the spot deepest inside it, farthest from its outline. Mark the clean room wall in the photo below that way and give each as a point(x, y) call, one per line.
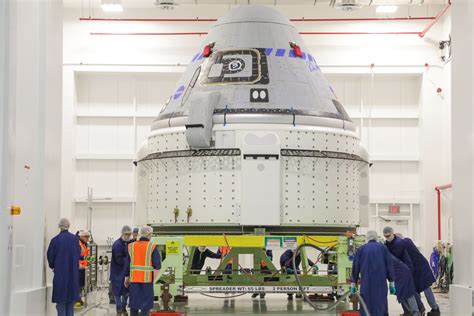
point(397, 111)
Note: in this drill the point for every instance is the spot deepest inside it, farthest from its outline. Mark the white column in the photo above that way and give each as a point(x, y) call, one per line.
point(5, 158)
point(461, 292)
point(30, 144)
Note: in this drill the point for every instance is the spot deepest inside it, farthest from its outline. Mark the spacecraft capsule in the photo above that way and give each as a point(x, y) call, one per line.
point(253, 136)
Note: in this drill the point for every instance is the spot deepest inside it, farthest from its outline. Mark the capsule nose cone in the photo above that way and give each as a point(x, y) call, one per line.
point(253, 13)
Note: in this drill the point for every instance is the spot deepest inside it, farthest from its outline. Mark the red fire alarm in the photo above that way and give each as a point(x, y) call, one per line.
point(394, 209)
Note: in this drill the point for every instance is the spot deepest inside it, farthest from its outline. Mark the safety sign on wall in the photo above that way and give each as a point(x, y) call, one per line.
point(172, 247)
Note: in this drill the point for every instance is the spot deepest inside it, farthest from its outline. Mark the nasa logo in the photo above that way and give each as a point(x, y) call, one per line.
point(178, 92)
point(236, 65)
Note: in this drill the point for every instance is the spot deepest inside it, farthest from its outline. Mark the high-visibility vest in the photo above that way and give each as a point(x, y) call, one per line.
point(84, 253)
point(141, 267)
point(224, 251)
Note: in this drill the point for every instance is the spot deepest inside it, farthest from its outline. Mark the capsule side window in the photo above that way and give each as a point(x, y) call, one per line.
point(191, 85)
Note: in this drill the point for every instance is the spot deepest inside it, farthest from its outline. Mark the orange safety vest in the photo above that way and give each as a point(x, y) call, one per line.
point(141, 267)
point(224, 251)
point(84, 253)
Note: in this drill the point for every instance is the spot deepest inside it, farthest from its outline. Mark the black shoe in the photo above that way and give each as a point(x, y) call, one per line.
point(290, 297)
point(434, 312)
point(254, 295)
point(262, 295)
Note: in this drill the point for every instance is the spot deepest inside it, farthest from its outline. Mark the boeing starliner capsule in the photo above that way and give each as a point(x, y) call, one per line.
point(253, 136)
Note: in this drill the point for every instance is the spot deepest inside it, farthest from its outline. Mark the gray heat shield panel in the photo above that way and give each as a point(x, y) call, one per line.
point(199, 126)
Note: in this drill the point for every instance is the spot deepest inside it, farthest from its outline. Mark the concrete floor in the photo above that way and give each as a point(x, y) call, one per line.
point(273, 304)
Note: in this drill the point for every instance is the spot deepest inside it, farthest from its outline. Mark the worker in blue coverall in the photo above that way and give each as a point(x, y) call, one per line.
point(84, 261)
point(286, 264)
point(135, 232)
point(264, 270)
point(373, 266)
point(405, 287)
point(118, 265)
point(63, 258)
point(143, 260)
point(199, 258)
point(421, 271)
point(222, 251)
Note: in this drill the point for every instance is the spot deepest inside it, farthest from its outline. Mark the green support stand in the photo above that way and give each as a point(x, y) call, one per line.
point(171, 249)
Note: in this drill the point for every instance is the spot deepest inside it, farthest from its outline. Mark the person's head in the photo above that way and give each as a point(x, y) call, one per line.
point(135, 232)
point(126, 233)
point(84, 235)
point(64, 224)
point(202, 248)
point(388, 233)
point(371, 235)
point(146, 232)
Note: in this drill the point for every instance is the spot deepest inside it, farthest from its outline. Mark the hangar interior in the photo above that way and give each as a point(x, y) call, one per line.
point(82, 86)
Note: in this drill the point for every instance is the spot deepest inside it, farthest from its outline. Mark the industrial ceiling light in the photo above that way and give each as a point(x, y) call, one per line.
point(386, 9)
point(111, 5)
point(165, 4)
point(347, 5)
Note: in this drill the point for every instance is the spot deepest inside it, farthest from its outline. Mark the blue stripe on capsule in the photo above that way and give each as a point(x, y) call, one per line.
point(195, 57)
point(268, 51)
point(178, 92)
point(280, 52)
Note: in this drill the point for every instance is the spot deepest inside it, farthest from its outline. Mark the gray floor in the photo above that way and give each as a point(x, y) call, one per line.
point(273, 304)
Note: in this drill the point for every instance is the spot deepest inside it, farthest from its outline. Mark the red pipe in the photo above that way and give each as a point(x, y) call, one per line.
point(162, 34)
point(292, 20)
point(438, 16)
point(420, 34)
point(438, 193)
point(363, 19)
point(360, 33)
point(302, 33)
point(147, 20)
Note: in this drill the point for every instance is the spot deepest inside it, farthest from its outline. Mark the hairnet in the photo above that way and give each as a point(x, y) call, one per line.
point(146, 231)
point(136, 230)
point(388, 230)
point(371, 235)
point(84, 233)
point(64, 224)
point(126, 229)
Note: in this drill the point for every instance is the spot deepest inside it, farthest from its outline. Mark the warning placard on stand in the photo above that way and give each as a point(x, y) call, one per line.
point(290, 243)
point(272, 242)
point(172, 247)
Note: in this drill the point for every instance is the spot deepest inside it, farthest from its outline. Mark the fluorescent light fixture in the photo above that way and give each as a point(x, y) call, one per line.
point(386, 9)
point(112, 5)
